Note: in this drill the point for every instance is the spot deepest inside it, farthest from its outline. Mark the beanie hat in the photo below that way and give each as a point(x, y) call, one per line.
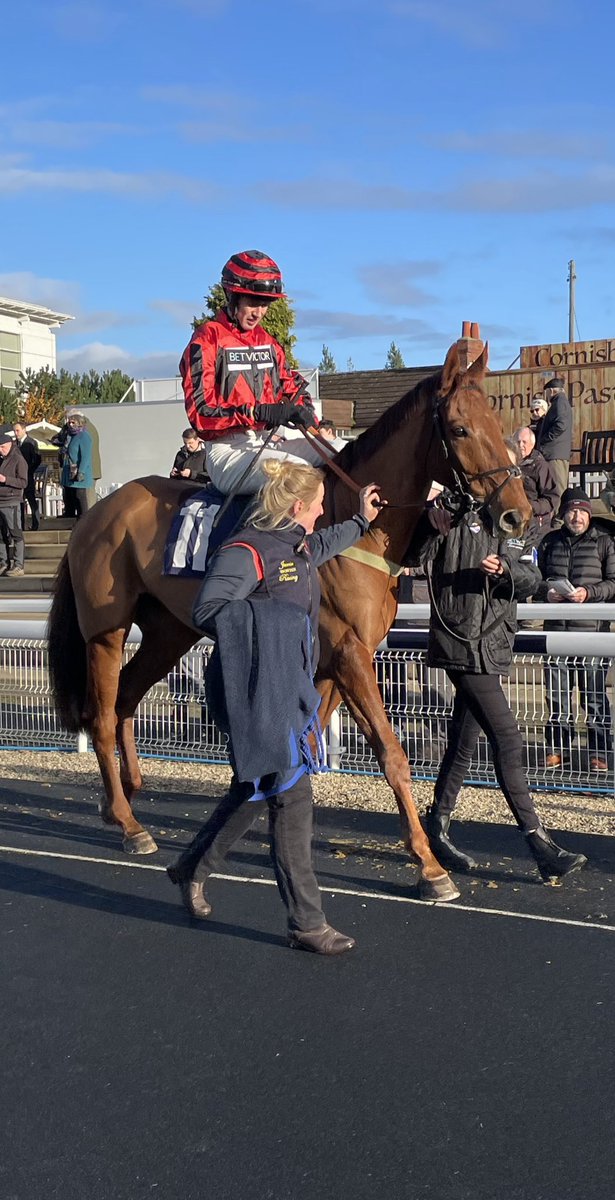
point(577, 498)
point(6, 434)
point(556, 382)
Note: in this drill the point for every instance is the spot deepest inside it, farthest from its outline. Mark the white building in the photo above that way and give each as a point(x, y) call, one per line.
point(27, 338)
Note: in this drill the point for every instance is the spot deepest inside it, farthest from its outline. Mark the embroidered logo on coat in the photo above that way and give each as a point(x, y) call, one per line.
point(288, 572)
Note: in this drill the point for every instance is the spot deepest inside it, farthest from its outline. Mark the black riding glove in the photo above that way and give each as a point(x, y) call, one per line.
point(285, 414)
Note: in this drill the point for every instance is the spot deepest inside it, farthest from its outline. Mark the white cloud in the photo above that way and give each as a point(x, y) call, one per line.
point(58, 294)
point(393, 283)
point(180, 312)
point(14, 180)
point(64, 135)
point(341, 325)
point(100, 356)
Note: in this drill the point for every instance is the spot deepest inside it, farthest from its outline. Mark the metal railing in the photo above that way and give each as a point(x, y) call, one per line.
point(173, 720)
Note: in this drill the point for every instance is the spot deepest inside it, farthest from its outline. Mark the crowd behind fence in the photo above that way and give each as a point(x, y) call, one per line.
point(173, 721)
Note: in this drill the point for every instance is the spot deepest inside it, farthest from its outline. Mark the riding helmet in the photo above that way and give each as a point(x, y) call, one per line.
point(252, 273)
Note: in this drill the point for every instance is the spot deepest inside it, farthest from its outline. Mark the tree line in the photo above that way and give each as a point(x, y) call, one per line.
point(45, 395)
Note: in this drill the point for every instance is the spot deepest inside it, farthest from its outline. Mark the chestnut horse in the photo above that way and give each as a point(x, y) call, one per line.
point(111, 576)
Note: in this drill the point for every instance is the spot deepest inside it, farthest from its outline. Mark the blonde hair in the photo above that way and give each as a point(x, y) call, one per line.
point(287, 483)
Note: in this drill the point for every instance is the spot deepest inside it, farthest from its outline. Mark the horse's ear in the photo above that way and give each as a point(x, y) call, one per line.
point(450, 370)
point(479, 367)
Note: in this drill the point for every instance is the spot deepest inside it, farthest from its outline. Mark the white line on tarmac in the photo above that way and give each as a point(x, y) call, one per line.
point(332, 891)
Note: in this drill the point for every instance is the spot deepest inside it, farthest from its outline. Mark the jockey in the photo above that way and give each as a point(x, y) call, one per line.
point(237, 385)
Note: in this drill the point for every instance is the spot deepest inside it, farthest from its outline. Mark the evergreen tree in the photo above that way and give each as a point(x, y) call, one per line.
point(394, 358)
point(327, 364)
point(45, 395)
point(278, 321)
point(350, 365)
point(9, 410)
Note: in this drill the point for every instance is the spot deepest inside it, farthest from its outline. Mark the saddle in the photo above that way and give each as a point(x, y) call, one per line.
point(194, 534)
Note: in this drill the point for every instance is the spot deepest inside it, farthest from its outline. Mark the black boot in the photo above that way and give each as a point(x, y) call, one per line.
point(553, 862)
point(436, 828)
point(193, 895)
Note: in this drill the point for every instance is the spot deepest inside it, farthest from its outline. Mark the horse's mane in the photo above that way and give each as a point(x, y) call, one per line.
point(391, 420)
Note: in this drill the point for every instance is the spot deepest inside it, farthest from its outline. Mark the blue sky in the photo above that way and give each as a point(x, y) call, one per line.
point(410, 164)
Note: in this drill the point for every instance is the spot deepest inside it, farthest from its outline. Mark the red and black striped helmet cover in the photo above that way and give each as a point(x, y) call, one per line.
point(252, 273)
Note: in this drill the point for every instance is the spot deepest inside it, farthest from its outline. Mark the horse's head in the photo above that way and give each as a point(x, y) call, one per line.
point(474, 445)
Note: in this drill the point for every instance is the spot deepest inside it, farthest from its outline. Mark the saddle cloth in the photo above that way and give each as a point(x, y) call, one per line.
point(192, 538)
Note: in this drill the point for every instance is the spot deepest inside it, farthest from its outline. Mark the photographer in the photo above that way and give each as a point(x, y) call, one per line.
point(475, 580)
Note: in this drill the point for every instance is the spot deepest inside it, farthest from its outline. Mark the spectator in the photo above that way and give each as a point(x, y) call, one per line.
point(189, 461)
point(13, 481)
point(538, 410)
point(77, 477)
point(29, 449)
point(539, 484)
point(555, 437)
point(327, 430)
point(584, 555)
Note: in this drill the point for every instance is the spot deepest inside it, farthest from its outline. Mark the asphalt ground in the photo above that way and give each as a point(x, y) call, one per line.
point(462, 1051)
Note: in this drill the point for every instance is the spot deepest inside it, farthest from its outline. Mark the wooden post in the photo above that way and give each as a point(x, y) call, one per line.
point(470, 344)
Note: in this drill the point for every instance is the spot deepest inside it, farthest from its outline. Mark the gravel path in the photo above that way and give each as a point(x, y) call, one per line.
point(579, 813)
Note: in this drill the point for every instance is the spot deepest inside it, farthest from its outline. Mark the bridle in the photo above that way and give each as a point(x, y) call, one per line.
point(462, 491)
point(462, 479)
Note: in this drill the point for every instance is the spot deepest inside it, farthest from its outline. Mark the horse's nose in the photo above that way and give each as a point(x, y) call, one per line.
point(511, 521)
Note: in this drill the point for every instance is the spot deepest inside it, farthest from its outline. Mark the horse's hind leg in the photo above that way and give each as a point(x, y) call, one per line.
point(104, 659)
point(352, 667)
point(165, 639)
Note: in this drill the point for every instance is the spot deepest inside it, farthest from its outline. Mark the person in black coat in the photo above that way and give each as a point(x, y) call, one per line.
point(539, 483)
point(555, 437)
point(29, 449)
point(476, 579)
point(583, 554)
point(189, 462)
point(273, 561)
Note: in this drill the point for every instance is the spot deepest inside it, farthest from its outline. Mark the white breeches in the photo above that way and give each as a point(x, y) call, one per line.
point(227, 459)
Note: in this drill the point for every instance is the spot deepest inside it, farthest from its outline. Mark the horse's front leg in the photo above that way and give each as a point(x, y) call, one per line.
point(352, 668)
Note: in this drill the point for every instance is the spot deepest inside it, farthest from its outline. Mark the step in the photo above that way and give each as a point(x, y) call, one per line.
point(57, 523)
point(28, 587)
point(47, 537)
point(50, 550)
point(40, 566)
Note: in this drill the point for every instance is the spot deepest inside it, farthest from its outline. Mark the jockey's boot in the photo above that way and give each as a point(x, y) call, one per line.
point(192, 893)
point(553, 862)
point(440, 844)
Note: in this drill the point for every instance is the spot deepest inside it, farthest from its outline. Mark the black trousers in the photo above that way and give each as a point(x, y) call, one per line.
point(290, 841)
point(76, 501)
point(560, 728)
point(12, 545)
point(480, 703)
point(29, 498)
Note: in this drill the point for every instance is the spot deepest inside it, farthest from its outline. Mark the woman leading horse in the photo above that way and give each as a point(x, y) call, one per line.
point(112, 576)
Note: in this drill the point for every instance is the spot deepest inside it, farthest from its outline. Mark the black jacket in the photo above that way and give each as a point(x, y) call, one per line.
point(15, 470)
point(278, 564)
point(29, 449)
point(541, 491)
point(473, 615)
point(194, 460)
point(555, 437)
point(587, 560)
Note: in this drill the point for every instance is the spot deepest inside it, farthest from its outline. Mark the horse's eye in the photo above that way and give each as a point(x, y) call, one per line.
point(458, 431)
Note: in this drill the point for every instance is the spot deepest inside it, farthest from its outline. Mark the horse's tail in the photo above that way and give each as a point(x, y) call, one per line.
point(67, 656)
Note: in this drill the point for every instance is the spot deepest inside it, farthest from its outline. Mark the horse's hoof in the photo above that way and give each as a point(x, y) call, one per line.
point(139, 843)
point(438, 891)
